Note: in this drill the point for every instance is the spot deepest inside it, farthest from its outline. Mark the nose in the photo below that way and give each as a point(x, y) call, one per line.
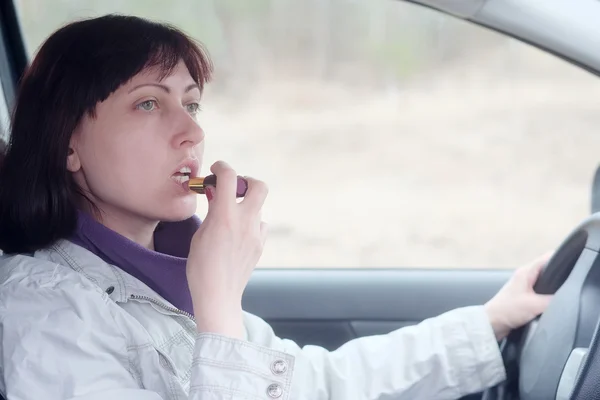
point(189, 133)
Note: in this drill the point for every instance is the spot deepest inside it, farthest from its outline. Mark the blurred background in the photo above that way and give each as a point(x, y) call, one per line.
point(390, 135)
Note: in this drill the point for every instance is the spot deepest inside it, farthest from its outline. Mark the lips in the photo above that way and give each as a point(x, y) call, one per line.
point(187, 169)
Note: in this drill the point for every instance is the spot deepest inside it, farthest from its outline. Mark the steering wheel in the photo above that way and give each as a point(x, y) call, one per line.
point(557, 355)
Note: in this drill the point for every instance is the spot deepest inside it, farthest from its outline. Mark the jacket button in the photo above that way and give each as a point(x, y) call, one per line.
point(279, 367)
point(275, 391)
point(110, 290)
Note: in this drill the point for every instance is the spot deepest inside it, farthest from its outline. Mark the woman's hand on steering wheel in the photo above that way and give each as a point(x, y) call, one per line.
point(516, 304)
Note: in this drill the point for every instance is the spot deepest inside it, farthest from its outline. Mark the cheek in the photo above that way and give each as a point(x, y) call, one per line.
point(122, 165)
point(106, 157)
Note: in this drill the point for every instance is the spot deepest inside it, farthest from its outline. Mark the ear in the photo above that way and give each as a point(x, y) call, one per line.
point(73, 161)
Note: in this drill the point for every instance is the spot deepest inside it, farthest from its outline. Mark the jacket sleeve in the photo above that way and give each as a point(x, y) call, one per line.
point(446, 357)
point(442, 358)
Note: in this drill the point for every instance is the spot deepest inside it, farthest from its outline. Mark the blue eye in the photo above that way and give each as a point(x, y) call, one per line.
point(148, 105)
point(193, 108)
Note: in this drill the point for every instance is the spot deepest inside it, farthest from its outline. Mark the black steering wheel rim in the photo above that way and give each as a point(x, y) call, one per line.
point(554, 356)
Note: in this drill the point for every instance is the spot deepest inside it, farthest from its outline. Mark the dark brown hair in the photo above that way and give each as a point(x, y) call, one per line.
point(77, 67)
point(2, 150)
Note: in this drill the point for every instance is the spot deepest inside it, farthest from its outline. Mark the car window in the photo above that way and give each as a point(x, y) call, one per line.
point(390, 135)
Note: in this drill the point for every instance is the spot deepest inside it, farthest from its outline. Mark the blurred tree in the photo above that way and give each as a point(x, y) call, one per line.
point(364, 41)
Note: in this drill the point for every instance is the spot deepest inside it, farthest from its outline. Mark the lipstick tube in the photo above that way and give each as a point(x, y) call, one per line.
point(198, 185)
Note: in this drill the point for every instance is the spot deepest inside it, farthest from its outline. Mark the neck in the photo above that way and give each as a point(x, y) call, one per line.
point(134, 227)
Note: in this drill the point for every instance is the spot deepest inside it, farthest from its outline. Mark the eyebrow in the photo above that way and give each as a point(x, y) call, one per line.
point(165, 88)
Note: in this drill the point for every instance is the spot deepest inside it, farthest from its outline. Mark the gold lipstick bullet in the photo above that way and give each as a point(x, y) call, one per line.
point(199, 184)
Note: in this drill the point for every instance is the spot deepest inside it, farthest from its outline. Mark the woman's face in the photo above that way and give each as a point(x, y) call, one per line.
point(131, 157)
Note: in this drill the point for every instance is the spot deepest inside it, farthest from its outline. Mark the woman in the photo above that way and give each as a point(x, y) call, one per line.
point(111, 287)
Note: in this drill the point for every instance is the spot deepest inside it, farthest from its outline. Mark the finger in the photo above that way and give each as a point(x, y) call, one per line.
point(264, 228)
point(209, 191)
point(225, 191)
point(255, 195)
point(544, 258)
point(537, 266)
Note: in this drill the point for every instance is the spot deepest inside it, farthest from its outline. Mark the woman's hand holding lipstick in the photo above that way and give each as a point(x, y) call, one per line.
point(225, 251)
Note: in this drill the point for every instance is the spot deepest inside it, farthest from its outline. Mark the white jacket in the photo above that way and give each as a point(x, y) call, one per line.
point(74, 327)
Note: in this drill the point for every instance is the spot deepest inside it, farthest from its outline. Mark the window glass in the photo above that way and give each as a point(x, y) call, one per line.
point(390, 135)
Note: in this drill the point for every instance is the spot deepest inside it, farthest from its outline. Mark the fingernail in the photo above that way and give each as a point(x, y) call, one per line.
point(242, 187)
point(209, 193)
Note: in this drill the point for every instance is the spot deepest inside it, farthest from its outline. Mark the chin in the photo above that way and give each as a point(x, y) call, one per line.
point(179, 211)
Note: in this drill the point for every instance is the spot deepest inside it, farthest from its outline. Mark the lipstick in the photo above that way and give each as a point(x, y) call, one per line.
point(198, 185)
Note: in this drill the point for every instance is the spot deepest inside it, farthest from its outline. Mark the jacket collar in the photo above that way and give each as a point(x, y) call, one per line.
point(119, 285)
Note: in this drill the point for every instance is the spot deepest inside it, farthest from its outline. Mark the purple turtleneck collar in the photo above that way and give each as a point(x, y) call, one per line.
point(163, 270)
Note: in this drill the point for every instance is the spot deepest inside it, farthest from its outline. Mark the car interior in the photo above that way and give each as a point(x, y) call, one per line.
point(331, 305)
